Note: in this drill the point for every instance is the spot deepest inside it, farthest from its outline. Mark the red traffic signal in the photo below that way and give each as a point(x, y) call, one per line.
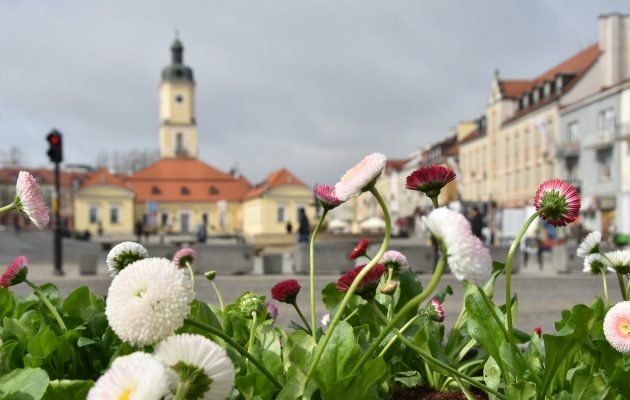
point(54, 147)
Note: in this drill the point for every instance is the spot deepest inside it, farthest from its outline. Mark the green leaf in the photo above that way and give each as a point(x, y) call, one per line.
point(24, 384)
point(492, 373)
point(68, 390)
point(521, 391)
point(485, 329)
point(294, 388)
point(7, 303)
point(586, 386)
point(42, 344)
point(52, 293)
point(299, 347)
point(82, 303)
point(409, 286)
point(408, 378)
point(573, 328)
point(83, 341)
point(331, 296)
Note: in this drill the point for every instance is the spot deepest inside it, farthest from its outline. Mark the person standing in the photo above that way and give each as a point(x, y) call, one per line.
point(304, 228)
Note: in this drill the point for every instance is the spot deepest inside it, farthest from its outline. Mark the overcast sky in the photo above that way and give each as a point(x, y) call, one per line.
point(308, 85)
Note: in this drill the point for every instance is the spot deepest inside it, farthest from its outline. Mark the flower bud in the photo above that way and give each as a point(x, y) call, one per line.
point(210, 275)
point(389, 288)
point(435, 311)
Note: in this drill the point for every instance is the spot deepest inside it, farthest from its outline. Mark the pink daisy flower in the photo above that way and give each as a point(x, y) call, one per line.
point(29, 200)
point(430, 180)
point(327, 197)
point(286, 291)
point(394, 259)
point(361, 177)
point(367, 287)
point(558, 201)
point(15, 273)
point(538, 330)
point(184, 256)
point(617, 327)
point(436, 311)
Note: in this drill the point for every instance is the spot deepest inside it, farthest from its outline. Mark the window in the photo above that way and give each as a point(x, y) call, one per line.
point(164, 218)
point(525, 101)
point(155, 190)
point(604, 161)
point(93, 214)
point(536, 96)
point(213, 190)
point(114, 215)
point(573, 132)
point(606, 121)
point(184, 190)
point(559, 82)
point(204, 218)
point(547, 89)
point(179, 143)
point(179, 98)
point(281, 214)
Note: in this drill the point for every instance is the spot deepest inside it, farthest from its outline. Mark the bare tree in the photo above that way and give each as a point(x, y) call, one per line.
point(128, 162)
point(13, 157)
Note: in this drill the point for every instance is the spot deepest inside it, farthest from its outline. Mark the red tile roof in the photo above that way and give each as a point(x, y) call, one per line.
point(395, 164)
point(275, 179)
point(101, 176)
point(186, 180)
point(577, 65)
point(43, 175)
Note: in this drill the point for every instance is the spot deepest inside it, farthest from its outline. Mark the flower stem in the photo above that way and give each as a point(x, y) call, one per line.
point(218, 293)
point(191, 274)
point(252, 332)
point(38, 291)
point(605, 285)
point(355, 284)
point(312, 270)
point(182, 391)
point(393, 339)
point(211, 329)
point(508, 288)
point(622, 286)
point(297, 308)
point(8, 208)
point(434, 200)
point(430, 357)
point(411, 305)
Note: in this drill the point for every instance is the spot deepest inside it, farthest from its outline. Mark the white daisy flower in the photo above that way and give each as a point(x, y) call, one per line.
point(358, 178)
point(617, 327)
point(325, 321)
point(148, 301)
point(467, 257)
point(590, 244)
point(137, 376)
point(596, 264)
point(619, 260)
point(124, 254)
point(187, 352)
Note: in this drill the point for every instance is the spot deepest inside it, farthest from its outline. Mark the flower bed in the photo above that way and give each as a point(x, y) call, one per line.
point(383, 337)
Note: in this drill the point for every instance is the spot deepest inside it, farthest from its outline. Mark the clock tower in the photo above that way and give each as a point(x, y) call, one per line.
point(178, 128)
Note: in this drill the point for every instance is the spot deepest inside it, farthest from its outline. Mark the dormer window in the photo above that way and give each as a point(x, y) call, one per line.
point(559, 82)
point(547, 89)
point(213, 190)
point(525, 101)
point(184, 190)
point(536, 95)
point(155, 190)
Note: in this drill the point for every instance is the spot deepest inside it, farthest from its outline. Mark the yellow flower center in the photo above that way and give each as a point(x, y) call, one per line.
point(125, 395)
point(624, 328)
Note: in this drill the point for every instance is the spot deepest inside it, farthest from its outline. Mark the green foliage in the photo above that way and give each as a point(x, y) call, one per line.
point(24, 384)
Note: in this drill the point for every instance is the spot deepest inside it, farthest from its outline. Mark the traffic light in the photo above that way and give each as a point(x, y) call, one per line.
point(54, 146)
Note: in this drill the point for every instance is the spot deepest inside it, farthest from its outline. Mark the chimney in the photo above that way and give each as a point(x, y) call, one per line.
point(614, 44)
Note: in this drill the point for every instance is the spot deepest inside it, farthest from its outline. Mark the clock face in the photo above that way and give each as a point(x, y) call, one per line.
point(179, 98)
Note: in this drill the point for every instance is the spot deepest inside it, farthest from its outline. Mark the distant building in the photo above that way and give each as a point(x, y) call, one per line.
point(180, 193)
point(593, 149)
point(70, 181)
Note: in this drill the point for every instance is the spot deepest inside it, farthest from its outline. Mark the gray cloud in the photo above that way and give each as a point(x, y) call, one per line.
point(313, 86)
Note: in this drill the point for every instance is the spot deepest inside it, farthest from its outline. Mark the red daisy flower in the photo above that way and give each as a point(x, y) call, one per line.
point(558, 201)
point(359, 249)
point(430, 180)
point(286, 291)
point(15, 273)
point(327, 197)
point(367, 287)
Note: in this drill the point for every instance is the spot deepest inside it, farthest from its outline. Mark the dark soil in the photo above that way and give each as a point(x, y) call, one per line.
point(425, 393)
